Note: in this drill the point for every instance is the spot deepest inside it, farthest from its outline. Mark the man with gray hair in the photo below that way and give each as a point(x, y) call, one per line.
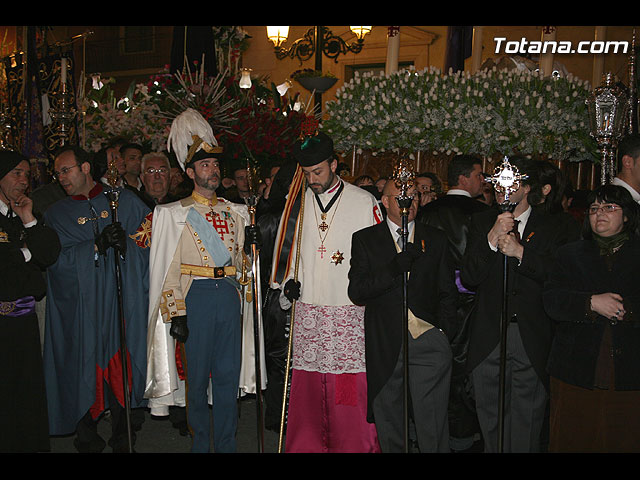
point(155, 173)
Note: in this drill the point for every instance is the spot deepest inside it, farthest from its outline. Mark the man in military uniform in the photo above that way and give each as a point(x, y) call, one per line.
point(194, 314)
point(26, 247)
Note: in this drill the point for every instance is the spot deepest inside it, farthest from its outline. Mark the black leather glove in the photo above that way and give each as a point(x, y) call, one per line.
point(252, 236)
point(292, 290)
point(113, 235)
point(403, 261)
point(179, 329)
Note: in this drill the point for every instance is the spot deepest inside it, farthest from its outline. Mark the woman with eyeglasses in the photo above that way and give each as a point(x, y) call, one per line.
point(594, 298)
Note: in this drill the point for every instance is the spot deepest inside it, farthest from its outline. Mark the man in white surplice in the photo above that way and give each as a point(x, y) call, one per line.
point(328, 402)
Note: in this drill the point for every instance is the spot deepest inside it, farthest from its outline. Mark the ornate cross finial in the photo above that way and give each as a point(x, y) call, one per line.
point(404, 178)
point(506, 178)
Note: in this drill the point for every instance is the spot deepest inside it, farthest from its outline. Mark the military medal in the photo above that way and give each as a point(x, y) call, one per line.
point(337, 257)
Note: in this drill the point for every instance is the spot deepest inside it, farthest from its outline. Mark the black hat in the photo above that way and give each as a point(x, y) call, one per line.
point(10, 160)
point(202, 154)
point(312, 150)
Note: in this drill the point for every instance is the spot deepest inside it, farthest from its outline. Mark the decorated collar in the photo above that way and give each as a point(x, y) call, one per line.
point(204, 200)
point(94, 192)
point(333, 189)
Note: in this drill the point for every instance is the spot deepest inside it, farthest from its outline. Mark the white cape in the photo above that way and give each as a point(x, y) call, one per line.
point(163, 387)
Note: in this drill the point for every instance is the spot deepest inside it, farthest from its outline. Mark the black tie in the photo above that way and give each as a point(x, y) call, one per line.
point(516, 232)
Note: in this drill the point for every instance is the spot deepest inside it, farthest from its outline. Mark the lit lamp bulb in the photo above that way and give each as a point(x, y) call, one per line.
point(245, 79)
point(360, 32)
point(278, 35)
point(283, 87)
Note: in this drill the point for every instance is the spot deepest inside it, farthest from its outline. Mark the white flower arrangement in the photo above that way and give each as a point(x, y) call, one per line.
point(489, 113)
point(137, 119)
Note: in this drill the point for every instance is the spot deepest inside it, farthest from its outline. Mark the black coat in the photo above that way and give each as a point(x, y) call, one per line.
point(581, 272)
point(19, 278)
point(452, 214)
point(483, 270)
point(431, 293)
point(149, 200)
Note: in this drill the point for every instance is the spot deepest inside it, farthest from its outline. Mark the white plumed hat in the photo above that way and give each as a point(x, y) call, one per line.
point(190, 134)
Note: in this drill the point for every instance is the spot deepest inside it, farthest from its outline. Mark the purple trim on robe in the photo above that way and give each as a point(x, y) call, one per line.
point(461, 287)
point(18, 308)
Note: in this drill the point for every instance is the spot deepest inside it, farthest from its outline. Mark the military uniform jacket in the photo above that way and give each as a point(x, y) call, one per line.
point(186, 235)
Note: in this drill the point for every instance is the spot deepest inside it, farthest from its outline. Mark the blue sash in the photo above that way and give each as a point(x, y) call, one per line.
point(210, 238)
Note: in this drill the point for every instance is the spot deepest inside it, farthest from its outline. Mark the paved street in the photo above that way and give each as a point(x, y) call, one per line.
point(159, 436)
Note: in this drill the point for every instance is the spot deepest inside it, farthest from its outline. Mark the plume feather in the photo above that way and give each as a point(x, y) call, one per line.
point(185, 129)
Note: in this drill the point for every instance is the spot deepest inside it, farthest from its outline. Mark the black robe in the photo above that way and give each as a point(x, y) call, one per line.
point(23, 405)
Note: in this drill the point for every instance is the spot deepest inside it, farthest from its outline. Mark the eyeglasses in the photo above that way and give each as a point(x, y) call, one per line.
point(161, 171)
point(414, 196)
point(63, 171)
point(606, 208)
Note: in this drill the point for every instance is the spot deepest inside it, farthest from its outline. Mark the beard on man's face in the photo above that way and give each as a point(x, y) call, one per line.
point(212, 182)
point(323, 187)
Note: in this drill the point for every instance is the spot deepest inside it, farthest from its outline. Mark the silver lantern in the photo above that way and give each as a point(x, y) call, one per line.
point(608, 108)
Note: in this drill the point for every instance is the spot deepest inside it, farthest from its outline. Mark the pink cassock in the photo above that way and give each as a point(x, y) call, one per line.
point(327, 414)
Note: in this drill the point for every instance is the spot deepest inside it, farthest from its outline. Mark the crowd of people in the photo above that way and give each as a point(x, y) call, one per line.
point(151, 246)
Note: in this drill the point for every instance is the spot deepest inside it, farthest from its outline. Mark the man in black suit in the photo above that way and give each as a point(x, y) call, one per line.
point(452, 213)
point(375, 280)
point(529, 260)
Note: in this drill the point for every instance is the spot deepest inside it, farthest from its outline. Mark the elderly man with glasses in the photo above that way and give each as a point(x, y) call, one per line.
point(155, 176)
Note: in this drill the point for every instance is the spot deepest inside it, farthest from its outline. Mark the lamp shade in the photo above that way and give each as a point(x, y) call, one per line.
point(283, 87)
point(360, 32)
point(277, 35)
point(245, 79)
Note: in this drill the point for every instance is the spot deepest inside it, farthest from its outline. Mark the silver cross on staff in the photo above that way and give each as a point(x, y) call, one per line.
point(404, 178)
point(506, 179)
